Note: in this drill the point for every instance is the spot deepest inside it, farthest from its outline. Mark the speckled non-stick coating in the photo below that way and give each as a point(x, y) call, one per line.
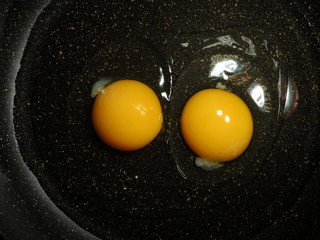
point(142, 194)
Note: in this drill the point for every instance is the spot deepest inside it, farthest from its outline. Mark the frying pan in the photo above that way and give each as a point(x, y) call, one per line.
point(59, 181)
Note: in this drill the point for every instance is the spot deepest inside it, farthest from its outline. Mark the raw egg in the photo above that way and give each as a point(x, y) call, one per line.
point(217, 125)
point(127, 115)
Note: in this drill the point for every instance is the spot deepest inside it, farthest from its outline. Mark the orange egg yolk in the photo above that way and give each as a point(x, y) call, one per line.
point(127, 115)
point(217, 125)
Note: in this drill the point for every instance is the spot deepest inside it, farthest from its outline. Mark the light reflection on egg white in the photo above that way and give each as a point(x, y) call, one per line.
point(166, 94)
point(220, 68)
point(251, 50)
point(291, 97)
point(256, 92)
point(227, 67)
point(288, 94)
point(226, 40)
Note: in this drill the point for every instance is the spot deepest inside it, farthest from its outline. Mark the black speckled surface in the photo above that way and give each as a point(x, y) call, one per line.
point(157, 192)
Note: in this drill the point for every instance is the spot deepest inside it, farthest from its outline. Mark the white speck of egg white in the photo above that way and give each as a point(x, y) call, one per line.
point(186, 44)
point(207, 165)
point(220, 85)
point(98, 86)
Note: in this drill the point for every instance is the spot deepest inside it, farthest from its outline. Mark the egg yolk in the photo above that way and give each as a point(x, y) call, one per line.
point(127, 115)
point(217, 125)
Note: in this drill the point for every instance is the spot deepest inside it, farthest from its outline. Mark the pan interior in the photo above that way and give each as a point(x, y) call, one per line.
point(158, 191)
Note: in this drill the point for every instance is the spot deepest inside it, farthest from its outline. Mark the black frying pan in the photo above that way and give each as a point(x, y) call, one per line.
point(59, 181)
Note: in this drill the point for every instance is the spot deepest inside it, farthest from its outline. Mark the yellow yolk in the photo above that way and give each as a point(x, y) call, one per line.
point(127, 115)
point(217, 125)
